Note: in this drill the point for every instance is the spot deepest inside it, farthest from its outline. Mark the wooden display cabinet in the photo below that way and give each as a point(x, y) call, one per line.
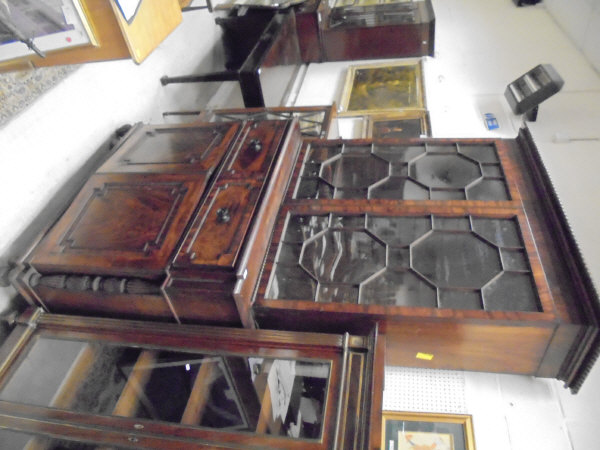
point(68, 381)
point(458, 248)
point(167, 225)
point(353, 30)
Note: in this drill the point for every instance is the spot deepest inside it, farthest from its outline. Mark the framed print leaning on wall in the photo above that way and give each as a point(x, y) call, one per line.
point(383, 87)
point(412, 124)
point(408, 430)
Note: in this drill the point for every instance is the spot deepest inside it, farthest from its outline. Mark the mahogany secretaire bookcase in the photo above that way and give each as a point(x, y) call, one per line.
point(458, 248)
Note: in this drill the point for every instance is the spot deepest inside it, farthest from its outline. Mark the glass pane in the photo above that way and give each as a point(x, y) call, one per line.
point(300, 228)
point(491, 170)
point(246, 393)
point(337, 293)
point(292, 283)
point(502, 232)
point(460, 299)
point(446, 194)
point(514, 260)
point(444, 171)
point(451, 148)
point(511, 292)
point(354, 171)
point(399, 189)
point(320, 154)
point(341, 256)
point(398, 289)
point(289, 254)
point(487, 189)
point(16, 440)
point(394, 154)
point(307, 188)
point(398, 258)
point(348, 222)
point(481, 153)
point(456, 260)
point(451, 223)
point(398, 231)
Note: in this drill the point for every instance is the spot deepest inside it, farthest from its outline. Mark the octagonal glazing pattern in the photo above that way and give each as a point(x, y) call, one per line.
point(451, 259)
point(411, 172)
point(342, 256)
point(428, 261)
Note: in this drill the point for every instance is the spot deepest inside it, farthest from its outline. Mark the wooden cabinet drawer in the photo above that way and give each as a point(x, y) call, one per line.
point(216, 236)
point(255, 151)
point(170, 149)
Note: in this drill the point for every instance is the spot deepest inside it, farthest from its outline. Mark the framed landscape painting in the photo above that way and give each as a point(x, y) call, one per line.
point(424, 431)
point(384, 87)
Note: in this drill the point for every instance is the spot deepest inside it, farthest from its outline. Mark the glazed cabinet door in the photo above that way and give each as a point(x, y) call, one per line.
point(134, 384)
point(446, 242)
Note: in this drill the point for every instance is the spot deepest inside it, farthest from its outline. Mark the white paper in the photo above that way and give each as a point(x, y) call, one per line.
point(128, 8)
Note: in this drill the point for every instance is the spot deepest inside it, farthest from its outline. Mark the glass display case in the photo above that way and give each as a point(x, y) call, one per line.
point(130, 383)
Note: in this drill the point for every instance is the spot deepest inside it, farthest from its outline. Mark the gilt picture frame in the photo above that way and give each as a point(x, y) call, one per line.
point(410, 430)
point(404, 125)
point(383, 87)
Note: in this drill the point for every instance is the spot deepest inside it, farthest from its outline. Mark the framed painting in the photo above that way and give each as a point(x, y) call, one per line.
point(412, 124)
point(383, 87)
point(405, 431)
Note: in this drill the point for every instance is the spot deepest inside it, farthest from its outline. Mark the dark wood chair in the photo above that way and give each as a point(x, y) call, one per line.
point(261, 54)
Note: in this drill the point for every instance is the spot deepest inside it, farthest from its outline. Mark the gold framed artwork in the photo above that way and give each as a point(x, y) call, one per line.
point(408, 430)
point(383, 87)
point(405, 125)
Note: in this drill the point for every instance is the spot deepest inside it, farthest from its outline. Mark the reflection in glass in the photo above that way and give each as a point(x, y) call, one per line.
point(444, 171)
point(339, 256)
point(246, 393)
point(13, 440)
point(412, 172)
point(456, 259)
point(461, 262)
point(398, 289)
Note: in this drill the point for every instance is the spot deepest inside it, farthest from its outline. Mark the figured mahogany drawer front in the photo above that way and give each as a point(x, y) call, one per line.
point(181, 149)
point(252, 156)
point(218, 231)
point(121, 224)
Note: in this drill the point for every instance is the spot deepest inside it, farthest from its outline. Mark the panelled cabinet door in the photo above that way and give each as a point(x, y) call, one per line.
point(188, 149)
point(447, 243)
point(113, 382)
point(121, 224)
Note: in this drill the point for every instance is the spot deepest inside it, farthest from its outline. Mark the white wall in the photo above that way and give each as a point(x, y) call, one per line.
point(580, 19)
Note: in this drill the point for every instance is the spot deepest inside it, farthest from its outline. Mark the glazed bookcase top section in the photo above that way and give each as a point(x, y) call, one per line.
point(425, 171)
point(194, 385)
point(403, 227)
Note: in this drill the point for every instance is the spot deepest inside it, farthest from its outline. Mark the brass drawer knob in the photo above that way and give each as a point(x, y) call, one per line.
point(223, 215)
point(255, 145)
